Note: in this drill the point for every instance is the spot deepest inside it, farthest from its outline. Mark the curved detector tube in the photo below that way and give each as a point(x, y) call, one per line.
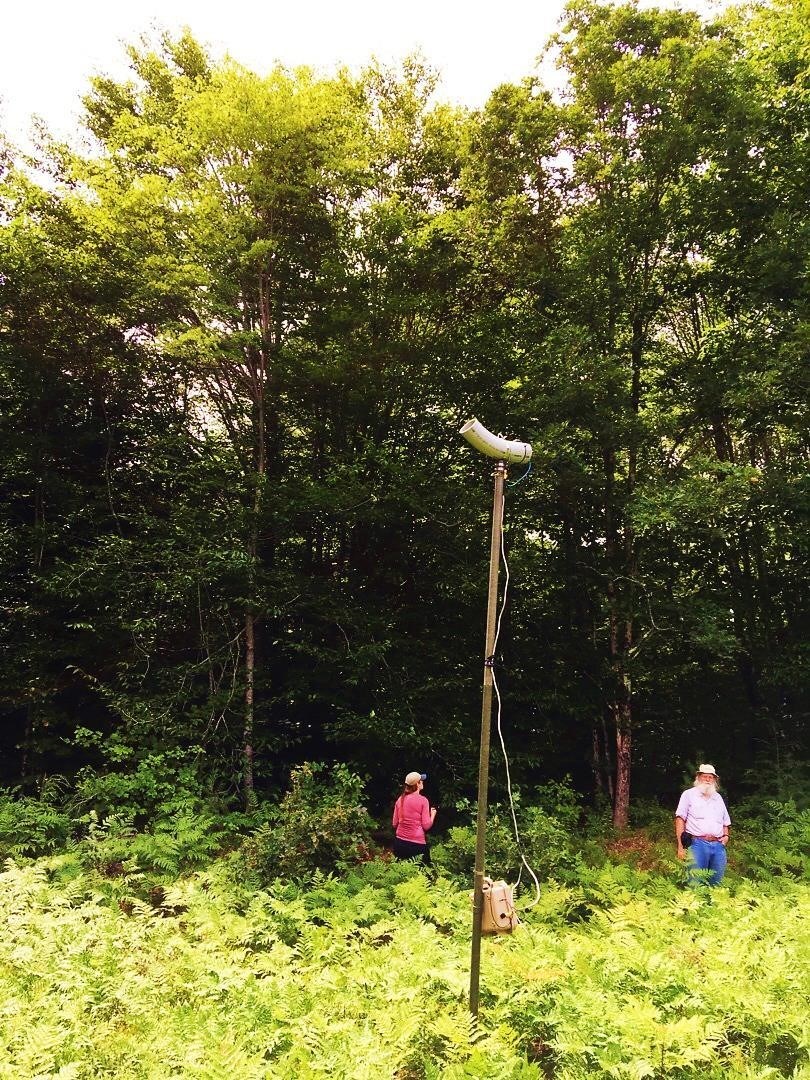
point(493, 446)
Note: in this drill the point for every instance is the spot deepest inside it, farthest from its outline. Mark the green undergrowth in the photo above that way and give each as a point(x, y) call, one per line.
point(621, 974)
point(184, 939)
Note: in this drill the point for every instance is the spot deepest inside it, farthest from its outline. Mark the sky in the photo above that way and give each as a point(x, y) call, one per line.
point(50, 48)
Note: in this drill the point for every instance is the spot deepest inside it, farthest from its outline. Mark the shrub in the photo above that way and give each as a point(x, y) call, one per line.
point(548, 834)
point(176, 844)
point(320, 824)
point(558, 799)
point(774, 843)
point(655, 819)
point(141, 790)
point(30, 827)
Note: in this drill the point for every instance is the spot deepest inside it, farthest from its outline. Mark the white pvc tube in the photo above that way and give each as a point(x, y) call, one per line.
point(493, 446)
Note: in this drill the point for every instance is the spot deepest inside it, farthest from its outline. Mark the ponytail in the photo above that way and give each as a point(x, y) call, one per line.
point(407, 789)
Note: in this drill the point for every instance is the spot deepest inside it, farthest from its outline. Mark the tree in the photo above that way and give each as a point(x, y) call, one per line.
point(244, 179)
point(237, 343)
point(622, 157)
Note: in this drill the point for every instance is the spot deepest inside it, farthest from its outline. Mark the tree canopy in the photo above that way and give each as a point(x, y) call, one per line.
point(238, 336)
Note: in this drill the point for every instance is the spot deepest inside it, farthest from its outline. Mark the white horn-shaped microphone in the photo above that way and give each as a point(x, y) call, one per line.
point(493, 446)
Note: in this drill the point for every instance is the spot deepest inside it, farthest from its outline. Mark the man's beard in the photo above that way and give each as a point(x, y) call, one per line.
point(705, 787)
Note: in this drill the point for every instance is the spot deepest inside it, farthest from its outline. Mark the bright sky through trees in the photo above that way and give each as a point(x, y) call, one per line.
point(49, 49)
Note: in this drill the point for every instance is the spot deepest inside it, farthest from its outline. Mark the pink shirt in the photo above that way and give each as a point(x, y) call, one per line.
point(412, 817)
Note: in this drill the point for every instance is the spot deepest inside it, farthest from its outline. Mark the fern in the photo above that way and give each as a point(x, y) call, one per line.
point(367, 977)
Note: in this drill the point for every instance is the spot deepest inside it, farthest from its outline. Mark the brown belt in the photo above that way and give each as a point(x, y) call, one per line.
point(710, 838)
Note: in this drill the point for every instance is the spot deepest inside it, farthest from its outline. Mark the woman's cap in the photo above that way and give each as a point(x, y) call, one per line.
point(413, 778)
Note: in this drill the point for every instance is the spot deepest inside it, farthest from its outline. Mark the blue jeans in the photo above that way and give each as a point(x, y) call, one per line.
point(707, 855)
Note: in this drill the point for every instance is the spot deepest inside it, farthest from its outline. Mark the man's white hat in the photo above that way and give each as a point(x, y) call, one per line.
point(707, 769)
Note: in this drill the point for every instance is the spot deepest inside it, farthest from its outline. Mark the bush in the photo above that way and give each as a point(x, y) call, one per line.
point(30, 827)
point(157, 784)
point(548, 833)
point(320, 824)
point(655, 819)
point(776, 842)
point(176, 844)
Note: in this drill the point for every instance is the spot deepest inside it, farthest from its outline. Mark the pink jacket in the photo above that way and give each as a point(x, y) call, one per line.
point(412, 818)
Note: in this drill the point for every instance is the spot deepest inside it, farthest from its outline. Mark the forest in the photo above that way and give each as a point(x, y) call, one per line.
point(243, 557)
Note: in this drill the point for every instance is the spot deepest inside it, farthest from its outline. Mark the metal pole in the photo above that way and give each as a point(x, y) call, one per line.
point(486, 715)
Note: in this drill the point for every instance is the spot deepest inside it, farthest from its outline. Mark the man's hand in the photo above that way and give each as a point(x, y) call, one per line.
point(681, 851)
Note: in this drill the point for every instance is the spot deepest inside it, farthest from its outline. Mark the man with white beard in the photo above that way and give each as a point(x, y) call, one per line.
point(701, 823)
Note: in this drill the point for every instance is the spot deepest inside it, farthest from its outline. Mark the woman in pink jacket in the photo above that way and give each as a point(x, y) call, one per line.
point(413, 817)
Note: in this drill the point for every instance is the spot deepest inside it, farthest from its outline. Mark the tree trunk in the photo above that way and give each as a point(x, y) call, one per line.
point(609, 773)
point(621, 564)
point(27, 744)
point(622, 719)
point(37, 555)
point(259, 476)
point(596, 763)
point(602, 764)
point(623, 600)
point(621, 798)
point(247, 741)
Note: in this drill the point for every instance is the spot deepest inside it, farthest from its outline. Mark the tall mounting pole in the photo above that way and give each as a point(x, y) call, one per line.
point(515, 452)
point(486, 717)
